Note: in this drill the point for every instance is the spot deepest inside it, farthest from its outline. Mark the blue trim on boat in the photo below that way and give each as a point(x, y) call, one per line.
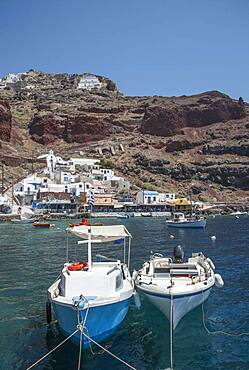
point(174, 295)
point(101, 321)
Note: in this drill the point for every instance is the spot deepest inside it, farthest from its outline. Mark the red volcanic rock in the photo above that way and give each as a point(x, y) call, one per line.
point(195, 111)
point(5, 121)
point(84, 128)
point(178, 144)
point(46, 128)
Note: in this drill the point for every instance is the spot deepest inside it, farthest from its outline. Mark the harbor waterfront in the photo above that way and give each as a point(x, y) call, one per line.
point(30, 261)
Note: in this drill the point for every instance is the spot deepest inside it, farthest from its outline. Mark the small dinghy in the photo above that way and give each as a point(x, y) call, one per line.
point(176, 286)
point(42, 224)
point(179, 220)
point(97, 294)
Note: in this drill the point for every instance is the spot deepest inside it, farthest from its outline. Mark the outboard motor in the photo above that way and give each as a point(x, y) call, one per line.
point(178, 254)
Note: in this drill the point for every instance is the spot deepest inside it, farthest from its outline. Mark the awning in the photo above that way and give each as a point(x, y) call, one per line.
point(103, 233)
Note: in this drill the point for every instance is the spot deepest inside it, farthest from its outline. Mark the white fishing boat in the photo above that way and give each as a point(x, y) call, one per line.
point(176, 286)
point(238, 213)
point(179, 220)
point(93, 294)
point(120, 215)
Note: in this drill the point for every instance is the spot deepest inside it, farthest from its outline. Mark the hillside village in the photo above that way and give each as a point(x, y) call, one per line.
point(65, 186)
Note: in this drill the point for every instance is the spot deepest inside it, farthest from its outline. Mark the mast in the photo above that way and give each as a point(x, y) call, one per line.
point(89, 251)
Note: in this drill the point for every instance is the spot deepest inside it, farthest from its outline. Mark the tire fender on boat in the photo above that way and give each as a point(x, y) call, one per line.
point(48, 312)
point(218, 281)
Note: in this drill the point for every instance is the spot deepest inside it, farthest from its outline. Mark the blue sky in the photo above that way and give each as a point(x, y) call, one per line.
point(149, 47)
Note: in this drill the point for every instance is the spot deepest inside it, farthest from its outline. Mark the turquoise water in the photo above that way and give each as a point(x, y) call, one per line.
point(32, 259)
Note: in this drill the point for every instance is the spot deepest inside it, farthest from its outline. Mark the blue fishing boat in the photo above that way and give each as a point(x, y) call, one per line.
point(95, 295)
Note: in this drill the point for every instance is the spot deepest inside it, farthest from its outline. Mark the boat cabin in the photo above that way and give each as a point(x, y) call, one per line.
point(104, 278)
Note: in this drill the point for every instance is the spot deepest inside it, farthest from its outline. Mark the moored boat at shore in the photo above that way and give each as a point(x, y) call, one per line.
point(179, 220)
point(95, 295)
point(176, 286)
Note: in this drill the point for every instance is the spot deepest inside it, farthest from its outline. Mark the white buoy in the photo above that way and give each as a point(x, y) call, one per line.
point(213, 237)
point(172, 236)
point(236, 216)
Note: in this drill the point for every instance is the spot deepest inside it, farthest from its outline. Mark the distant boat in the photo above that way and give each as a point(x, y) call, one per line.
point(95, 294)
point(122, 215)
point(42, 225)
point(176, 286)
point(238, 213)
point(24, 220)
point(146, 214)
point(179, 220)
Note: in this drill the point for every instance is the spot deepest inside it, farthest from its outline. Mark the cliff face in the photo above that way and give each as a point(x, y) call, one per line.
point(5, 121)
point(168, 118)
point(196, 144)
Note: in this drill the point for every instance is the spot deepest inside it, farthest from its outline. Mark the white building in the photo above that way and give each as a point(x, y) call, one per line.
point(28, 188)
point(147, 197)
point(89, 82)
point(52, 161)
point(167, 197)
point(154, 197)
point(87, 163)
point(106, 173)
point(73, 188)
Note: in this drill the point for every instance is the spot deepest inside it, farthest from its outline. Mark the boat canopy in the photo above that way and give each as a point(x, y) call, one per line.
point(102, 233)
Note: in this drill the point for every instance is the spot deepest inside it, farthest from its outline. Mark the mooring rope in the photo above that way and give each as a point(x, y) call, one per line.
point(218, 332)
point(171, 328)
point(42, 358)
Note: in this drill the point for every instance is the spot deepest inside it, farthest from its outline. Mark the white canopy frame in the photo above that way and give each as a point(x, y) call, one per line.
point(102, 234)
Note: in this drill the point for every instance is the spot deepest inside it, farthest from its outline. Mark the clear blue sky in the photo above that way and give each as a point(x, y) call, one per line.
point(149, 47)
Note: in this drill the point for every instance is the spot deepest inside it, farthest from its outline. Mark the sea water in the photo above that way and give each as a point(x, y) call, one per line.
point(31, 259)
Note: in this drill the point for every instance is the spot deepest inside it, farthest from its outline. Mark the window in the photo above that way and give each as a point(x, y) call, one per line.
point(87, 186)
point(154, 199)
point(21, 188)
point(45, 180)
point(119, 281)
point(80, 186)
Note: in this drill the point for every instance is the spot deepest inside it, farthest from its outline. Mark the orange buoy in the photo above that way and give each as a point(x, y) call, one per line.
point(78, 266)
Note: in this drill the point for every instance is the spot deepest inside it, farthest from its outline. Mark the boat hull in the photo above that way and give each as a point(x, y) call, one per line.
point(198, 224)
point(101, 321)
point(182, 304)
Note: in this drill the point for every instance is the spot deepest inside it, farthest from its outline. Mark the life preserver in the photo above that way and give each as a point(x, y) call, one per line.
point(78, 266)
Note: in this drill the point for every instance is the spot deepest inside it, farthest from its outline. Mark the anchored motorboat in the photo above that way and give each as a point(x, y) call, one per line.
point(175, 285)
point(45, 225)
point(179, 220)
point(95, 295)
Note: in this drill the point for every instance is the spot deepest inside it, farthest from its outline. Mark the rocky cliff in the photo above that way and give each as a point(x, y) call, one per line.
point(190, 144)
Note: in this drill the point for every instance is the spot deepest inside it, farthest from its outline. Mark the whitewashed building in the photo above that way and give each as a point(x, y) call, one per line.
point(154, 197)
point(89, 82)
point(167, 197)
point(106, 173)
point(87, 163)
point(147, 197)
point(53, 161)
